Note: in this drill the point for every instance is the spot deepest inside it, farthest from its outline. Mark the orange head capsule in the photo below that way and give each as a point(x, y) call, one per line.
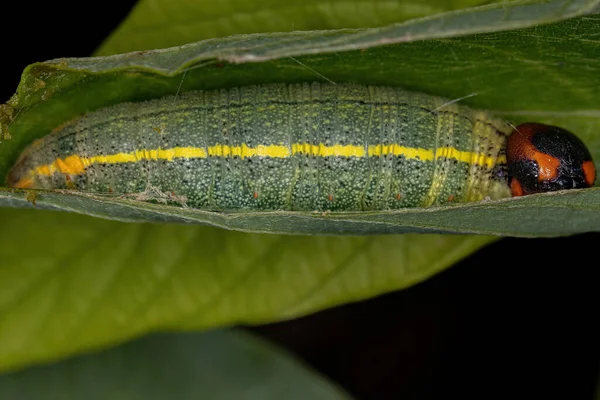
point(545, 158)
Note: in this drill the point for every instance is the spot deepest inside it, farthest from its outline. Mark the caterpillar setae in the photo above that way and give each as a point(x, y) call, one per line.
point(309, 146)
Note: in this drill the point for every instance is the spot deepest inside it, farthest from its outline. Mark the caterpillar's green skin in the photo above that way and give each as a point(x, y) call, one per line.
point(281, 118)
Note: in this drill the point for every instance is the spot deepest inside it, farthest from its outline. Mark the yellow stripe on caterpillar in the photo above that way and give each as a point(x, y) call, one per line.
point(76, 165)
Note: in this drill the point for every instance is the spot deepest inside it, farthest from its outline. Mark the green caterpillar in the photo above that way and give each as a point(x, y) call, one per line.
point(308, 146)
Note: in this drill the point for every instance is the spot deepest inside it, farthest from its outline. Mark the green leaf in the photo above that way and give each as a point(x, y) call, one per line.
point(543, 215)
point(69, 283)
point(159, 24)
point(507, 70)
point(214, 365)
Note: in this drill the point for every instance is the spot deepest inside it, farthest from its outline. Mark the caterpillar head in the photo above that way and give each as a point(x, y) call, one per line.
point(545, 158)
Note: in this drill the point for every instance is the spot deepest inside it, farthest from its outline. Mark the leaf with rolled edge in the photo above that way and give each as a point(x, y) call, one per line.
point(158, 24)
point(213, 365)
point(507, 70)
point(541, 215)
point(70, 283)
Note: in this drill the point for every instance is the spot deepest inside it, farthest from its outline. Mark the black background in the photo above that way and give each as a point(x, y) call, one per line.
point(516, 319)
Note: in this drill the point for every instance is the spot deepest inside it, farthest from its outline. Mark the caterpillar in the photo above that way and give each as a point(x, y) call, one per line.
point(309, 146)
